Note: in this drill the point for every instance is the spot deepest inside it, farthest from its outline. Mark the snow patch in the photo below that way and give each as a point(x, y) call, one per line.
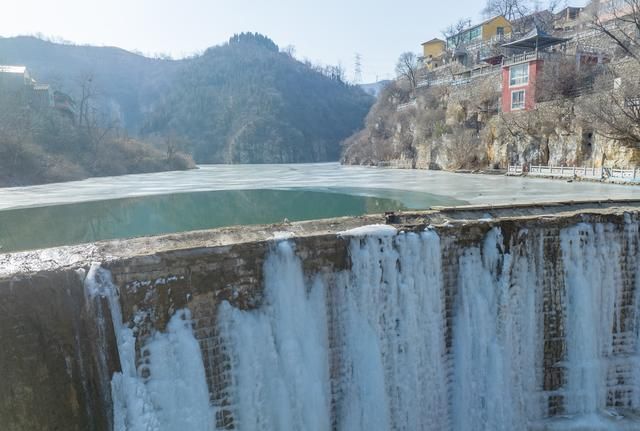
point(379, 230)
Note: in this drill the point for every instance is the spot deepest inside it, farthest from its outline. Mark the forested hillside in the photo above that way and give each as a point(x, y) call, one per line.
point(126, 84)
point(241, 102)
point(247, 102)
point(42, 146)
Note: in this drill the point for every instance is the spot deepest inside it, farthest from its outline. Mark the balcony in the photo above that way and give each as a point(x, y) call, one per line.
point(521, 58)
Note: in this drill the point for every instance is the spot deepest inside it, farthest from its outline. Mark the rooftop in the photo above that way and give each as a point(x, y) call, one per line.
point(13, 69)
point(487, 21)
point(434, 40)
point(535, 39)
point(569, 9)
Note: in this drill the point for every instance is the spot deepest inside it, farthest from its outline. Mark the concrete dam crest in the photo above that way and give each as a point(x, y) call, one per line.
point(471, 318)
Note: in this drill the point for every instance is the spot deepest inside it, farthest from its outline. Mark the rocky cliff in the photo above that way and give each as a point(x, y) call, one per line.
point(460, 126)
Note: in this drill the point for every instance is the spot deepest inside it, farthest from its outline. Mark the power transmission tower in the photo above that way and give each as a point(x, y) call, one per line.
point(357, 76)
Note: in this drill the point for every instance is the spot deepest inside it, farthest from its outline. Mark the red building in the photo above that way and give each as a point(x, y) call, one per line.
point(520, 71)
point(519, 84)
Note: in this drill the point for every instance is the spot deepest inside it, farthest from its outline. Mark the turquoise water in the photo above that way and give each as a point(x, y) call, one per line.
point(53, 225)
point(224, 195)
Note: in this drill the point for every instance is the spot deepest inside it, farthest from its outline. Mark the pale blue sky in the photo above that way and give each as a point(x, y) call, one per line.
point(324, 31)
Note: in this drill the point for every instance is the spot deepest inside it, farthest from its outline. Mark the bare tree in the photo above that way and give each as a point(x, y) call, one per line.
point(510, 9)
point(615, 111)
point(16, 128)
point(463, 149)
point(87, 94)
point(562, 78)
point(620, 22)
point(337, 73)
point(554, 5)
point(615, 106)
point(455, 30)
point(407, 68)
point(290, 50)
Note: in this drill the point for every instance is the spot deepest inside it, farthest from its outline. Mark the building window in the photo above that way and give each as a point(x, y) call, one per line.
point(475, 33)
point(519, 74)
point(517, 100)
point(500, 31)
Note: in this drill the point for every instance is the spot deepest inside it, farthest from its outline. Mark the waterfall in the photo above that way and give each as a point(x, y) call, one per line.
point(602, 319)
point(166, 389)
point(391, 369)
point(279, 364)
point(494, 326)
point(522, 330)
point(390, 334)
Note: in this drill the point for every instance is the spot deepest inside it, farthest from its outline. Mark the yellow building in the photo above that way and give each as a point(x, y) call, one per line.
point(434, 48)
point(490, 29)
point(433, 52)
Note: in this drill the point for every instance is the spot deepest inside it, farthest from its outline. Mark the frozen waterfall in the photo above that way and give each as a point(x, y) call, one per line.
point(422, 332)
point(166, 388)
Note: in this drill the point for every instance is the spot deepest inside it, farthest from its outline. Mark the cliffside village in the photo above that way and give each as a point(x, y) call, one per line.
point(550, 73)
point(20, 88)
point(515, 50)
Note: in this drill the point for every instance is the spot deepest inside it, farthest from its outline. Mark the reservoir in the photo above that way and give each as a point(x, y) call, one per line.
point(226, 195)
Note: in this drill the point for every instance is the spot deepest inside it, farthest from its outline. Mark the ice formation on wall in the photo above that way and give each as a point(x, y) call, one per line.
point(407, 350)
point(533, 331)
point(280, 371)
point(167, 390)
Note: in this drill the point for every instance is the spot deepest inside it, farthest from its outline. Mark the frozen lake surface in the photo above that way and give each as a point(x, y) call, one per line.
point(356, 180)
point(226, 195)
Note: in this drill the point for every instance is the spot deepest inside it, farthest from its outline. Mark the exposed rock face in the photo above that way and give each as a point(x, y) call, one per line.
point(461, 127)
point(557, 137)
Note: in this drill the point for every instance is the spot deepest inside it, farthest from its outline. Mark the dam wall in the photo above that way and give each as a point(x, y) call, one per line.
point(483, 318)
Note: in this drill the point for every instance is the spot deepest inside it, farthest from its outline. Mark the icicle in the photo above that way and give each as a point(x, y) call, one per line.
point(395, 313)
point(280, 366)
point(493, 373)
point(375, 348)
point(172, 395)
point(598, 350)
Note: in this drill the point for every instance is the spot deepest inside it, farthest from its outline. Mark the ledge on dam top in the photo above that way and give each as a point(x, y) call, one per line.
point(108, 251)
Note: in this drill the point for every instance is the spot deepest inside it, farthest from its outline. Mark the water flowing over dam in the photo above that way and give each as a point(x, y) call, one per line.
point(478, 318)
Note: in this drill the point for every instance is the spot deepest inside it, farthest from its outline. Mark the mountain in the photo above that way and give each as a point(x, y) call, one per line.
point(247, 102)
point(241, 102)
point(127, 84)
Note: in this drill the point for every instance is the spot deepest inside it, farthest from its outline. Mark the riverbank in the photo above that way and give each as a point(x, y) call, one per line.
point(615, 181)
point(505, 172)
point(43, 169)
